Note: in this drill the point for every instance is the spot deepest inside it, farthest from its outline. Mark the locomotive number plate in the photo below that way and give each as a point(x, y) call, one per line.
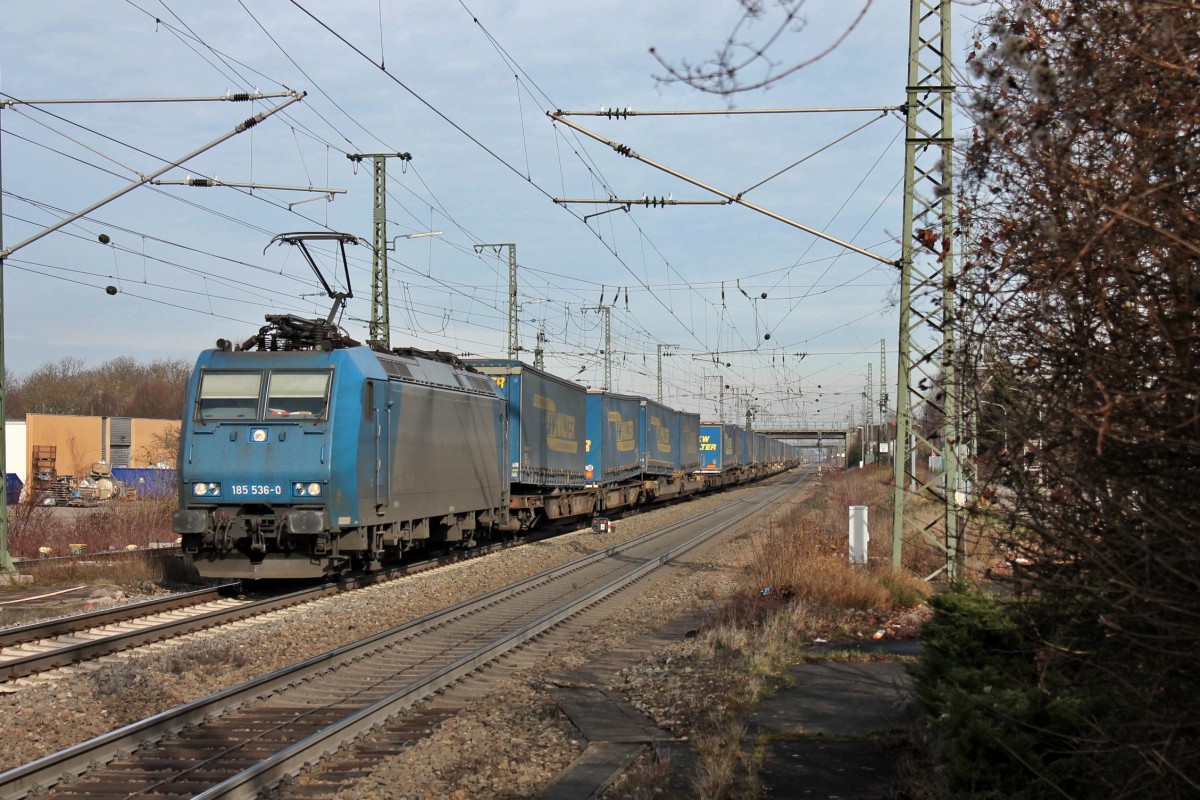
point(257, 489)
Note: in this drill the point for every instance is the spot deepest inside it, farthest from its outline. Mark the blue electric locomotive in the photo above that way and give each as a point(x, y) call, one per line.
point(304, 463)
point(304, 454)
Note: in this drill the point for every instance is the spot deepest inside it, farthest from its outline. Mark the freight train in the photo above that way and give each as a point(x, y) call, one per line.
point(304, 454)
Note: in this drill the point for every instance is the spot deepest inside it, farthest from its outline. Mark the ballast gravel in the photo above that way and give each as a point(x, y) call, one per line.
point(511, 744)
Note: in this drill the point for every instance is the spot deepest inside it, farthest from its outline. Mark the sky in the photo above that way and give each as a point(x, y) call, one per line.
point(750, 311)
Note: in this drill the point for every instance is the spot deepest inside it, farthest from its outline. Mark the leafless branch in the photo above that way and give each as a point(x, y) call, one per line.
point(721, 74)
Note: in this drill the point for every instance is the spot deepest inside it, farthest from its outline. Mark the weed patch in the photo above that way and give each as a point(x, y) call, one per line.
point(117, 543)
point(37, 531)
point(798, 585)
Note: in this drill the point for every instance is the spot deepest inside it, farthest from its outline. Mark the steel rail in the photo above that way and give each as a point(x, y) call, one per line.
point(268, 773)
point(75, 623)
point(44, 773)
point(108, 642)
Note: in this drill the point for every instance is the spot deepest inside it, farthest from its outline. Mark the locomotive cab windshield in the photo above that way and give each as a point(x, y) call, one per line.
point(297, 394)
point(238, 396)
point(228, 395)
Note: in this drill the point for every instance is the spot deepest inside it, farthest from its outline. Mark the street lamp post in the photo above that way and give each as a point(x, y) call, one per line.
point(419, 235)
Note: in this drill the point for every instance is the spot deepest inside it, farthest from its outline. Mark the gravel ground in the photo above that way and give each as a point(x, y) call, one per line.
point(510, 745)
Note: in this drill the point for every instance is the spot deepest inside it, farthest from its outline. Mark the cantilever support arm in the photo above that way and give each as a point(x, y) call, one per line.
point(241, 126)
point(625, 150)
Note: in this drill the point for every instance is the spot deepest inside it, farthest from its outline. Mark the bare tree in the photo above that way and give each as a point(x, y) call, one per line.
point(163, 448)
point(121, 387)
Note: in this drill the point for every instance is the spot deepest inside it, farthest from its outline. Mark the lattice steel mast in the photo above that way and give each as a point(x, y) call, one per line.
point(380, 330)
point(926, 377)
point(514, 339)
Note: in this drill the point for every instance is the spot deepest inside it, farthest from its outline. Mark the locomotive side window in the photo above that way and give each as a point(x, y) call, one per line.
point(297, 394)
point(229, 395)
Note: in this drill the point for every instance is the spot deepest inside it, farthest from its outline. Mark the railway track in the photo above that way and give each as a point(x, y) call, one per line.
point(244, 740)
point(41, 647)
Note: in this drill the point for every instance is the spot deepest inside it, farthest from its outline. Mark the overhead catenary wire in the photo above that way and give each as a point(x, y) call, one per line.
point(147, 178)
point(463, 298)
point(435, 110)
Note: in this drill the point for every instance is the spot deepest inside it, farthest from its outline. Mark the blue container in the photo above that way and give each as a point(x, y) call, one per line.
point(614, 431)
point(734, 447)
point(547, 416)
point(147, 481)
point(757, 454)
point(615, 437)
point(13, 487)
point(659, 442)
point(689, 442)
point(722, 447)
point(711, 447)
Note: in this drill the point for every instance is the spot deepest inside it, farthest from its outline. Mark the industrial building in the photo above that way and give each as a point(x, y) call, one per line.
point(45, 447)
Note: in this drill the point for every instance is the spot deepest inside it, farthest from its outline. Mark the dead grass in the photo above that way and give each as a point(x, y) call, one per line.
point(799, 585)
point(804, 555)
point(141, 572)
point(728, 766)
point(110, 527)
point(645, 779)
point(116, 539)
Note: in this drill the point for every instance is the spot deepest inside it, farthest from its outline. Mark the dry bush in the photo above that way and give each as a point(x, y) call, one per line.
point(761, 634)
point(32, 525)
point(794, 567)
point(726, 768)
point(109, 527)
point(105, 532)
point(1084, 203)
point(118, 525)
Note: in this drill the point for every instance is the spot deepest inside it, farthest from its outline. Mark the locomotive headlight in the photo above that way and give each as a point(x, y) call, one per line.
point(206, 489)
point(301, 489)
point(314, 489)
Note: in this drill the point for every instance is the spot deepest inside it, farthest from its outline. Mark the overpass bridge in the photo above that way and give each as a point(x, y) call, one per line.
point(820, 437)
point(829, 443)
